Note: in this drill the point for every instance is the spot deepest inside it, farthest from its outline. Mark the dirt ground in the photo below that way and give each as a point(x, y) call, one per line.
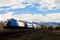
point(41, 34)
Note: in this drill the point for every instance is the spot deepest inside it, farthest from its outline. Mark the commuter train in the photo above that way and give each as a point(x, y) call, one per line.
point(18, 24)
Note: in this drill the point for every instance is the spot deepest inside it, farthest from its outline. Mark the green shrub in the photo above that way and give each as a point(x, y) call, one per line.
point(50, 27)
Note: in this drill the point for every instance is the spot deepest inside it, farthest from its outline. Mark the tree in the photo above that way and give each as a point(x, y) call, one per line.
point(50, 27)
point(43, 27)
point(56, 28)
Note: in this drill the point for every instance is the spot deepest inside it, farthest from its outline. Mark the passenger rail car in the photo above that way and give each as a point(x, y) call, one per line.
point(29, 25)
point(17, 24)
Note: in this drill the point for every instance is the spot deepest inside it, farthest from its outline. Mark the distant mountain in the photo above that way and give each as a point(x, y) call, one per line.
point(50, 23)
point(36, 23)
point(47, 23)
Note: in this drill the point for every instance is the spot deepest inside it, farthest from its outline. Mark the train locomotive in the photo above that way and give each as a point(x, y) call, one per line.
point(17, 24)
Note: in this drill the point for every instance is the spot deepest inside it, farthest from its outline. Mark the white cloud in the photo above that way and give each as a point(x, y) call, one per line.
point(0, 17)
point(13, 3)
point(57, 2)
point(6, 2)
point(24, 17)
point(19, 5)
point(50, 4)
point(6, 16)
point(52, 17)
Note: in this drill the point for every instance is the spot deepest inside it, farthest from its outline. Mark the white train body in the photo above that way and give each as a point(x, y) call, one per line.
point(24, 24)
point(35, 26)
point(30, 25)
point(21, 23)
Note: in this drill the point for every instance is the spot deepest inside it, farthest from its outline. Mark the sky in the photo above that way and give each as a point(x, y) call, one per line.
point(30, 10)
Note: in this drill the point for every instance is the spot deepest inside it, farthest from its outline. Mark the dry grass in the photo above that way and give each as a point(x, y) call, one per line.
point(42, 34)
point(57, 32)
point(1, 26)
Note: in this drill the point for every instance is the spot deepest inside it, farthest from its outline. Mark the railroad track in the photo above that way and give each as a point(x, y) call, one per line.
point(16, 33)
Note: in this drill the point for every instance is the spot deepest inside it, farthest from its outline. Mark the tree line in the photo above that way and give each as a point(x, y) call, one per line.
point(51, 27)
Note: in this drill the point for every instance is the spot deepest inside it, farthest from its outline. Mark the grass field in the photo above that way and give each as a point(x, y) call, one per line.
point(57, 32)
point(41, 34)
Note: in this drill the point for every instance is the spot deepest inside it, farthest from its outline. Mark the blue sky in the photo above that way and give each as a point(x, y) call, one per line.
point(30, 10)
